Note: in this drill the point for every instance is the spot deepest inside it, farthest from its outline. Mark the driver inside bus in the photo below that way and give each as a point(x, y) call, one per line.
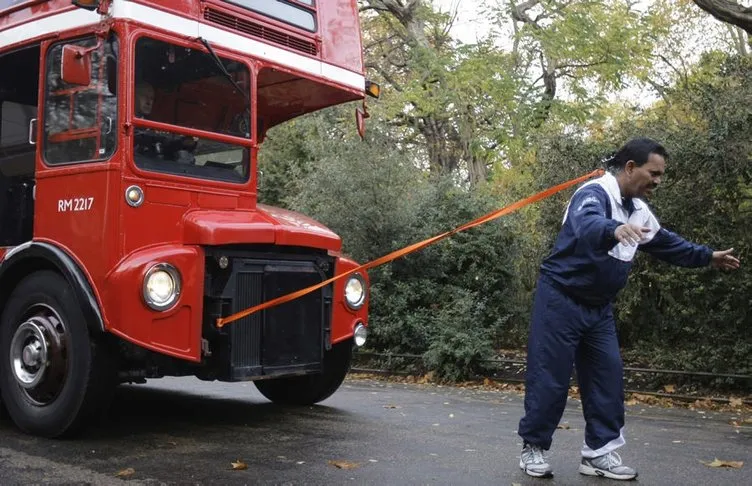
point(160, 144)
point(144, 100)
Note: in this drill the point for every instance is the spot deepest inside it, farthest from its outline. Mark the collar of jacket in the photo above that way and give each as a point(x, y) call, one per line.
point(611, 185)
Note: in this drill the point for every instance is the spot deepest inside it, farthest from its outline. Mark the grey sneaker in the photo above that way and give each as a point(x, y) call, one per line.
point(608, 466)
point(533, 462)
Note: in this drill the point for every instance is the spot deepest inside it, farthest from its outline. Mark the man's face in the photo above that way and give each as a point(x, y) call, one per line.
point(145, 100)
point(643, 180)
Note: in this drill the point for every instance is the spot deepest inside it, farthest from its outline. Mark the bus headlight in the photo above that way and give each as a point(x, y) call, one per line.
point(355, 292)
point(161, 286)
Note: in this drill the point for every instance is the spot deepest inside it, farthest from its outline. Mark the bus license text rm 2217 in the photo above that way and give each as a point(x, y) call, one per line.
point(75, 204)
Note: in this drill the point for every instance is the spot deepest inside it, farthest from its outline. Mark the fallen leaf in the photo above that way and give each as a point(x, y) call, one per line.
point(344, 464)
point(239, 465)
point(719, 463)
point(736, 402)
point(427, 378)
point(126, 473)
point(391, 406)
point(670, 388)
point(703, 403)
point(631, 401)
point(486, 382)
point(563, 426)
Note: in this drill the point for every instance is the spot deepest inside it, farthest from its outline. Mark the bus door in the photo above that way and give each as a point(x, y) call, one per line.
point(78, 139)
point(19, 103)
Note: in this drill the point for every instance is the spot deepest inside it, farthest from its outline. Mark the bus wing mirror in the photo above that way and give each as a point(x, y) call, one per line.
point(75, 65)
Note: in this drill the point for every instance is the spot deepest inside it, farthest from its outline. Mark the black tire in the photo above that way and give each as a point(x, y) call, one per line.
point(79, 377)
point(310, 389)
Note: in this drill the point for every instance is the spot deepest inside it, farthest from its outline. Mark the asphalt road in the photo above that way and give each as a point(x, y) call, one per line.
point(184, 431)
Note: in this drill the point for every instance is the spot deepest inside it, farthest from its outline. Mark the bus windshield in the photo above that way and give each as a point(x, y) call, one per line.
point(185, 87)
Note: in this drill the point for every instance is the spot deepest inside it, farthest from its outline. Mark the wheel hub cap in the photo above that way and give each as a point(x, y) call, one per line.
point(29, 354)
point(38, 355)
point(34, 354)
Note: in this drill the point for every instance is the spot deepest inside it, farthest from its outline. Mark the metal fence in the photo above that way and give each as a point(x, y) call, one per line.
point(520, 364)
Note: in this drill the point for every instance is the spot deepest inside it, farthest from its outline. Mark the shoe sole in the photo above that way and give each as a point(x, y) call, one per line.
point(534, 474)
point(591, 471)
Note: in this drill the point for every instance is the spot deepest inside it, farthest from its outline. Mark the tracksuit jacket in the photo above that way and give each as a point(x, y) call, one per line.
point(572, 321)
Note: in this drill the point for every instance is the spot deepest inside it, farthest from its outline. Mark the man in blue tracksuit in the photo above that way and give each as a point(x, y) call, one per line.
point(605, 224)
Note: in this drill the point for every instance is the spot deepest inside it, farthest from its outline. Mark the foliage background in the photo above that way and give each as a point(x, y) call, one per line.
point(462, 129)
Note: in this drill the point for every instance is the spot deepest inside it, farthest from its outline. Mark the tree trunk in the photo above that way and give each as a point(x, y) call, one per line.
point(728, 11)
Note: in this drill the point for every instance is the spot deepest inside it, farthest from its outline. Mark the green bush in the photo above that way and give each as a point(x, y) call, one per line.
point(672, 317)
point(457, 301)
point(449, 301)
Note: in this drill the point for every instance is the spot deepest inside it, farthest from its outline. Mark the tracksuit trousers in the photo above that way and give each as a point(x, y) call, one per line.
point(564, 333)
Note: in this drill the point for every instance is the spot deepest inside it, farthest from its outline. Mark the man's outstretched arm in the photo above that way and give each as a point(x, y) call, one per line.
point(674, 249)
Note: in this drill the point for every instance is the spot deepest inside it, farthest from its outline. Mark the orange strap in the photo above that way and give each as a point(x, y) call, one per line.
point(410, 249)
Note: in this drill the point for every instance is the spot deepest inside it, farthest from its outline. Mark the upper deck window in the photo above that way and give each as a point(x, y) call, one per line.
point(299, 13)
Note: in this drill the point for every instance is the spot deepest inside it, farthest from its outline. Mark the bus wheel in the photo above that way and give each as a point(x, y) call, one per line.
point(53, 375)
point(310, 389)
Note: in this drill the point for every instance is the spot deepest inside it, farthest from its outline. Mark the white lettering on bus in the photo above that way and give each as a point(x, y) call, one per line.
point(75, 204)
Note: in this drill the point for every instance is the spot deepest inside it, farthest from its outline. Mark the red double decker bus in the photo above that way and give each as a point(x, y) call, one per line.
point(129, 218)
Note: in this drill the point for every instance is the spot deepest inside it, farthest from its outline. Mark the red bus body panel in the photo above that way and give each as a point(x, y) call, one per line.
point(81, 207)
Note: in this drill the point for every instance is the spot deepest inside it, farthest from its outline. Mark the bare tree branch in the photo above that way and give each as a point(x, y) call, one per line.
point(576, 65)
point(660, 89)
point(740, 39)
point(682, 74)
point(384, 74)
point(519, 11)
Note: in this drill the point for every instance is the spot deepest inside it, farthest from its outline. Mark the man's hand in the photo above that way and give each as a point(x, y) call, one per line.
point(630, 234)
point(725, 260)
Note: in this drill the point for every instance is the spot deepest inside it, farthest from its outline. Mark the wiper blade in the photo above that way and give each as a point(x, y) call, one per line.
point(222, 68)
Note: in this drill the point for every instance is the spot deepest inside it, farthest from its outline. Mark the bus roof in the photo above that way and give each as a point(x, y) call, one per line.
point(320, 38)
